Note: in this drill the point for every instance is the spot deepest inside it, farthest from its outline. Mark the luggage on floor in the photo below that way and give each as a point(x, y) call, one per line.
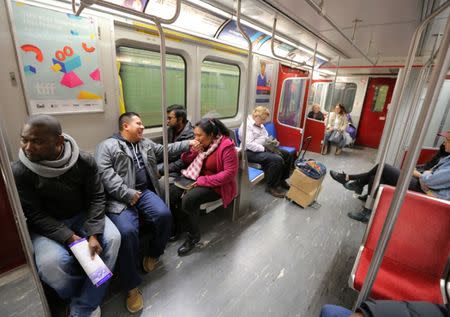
point(306, 180)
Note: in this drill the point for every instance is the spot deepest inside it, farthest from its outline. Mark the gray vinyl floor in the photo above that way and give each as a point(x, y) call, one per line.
point(280, 260)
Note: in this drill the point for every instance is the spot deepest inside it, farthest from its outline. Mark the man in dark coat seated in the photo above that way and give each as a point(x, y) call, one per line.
point(62, 198)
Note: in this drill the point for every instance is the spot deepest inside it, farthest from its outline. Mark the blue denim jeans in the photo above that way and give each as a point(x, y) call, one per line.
point(59, 269)
point(334, 311)
point(154, 213)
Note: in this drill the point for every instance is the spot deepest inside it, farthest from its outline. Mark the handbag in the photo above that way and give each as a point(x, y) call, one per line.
point(335, 137)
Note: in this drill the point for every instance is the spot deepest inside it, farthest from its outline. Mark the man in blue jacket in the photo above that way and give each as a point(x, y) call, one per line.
point(434, 182)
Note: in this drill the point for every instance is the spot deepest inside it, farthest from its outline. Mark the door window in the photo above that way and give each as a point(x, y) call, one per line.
point(290, 109)
point(379, 98)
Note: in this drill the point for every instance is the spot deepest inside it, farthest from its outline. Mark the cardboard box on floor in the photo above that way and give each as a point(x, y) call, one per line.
point(304, 190)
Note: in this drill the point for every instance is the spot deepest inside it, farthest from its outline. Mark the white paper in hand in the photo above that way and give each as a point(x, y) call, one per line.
point(96, 269)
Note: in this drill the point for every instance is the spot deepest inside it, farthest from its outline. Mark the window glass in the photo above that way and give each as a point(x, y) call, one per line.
point(290, 109)
point(315, 96)
point(379, 98)
point(344, 93)
point(219, 90)
point(140, 71)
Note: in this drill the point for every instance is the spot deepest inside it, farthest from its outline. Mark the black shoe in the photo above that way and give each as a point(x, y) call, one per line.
point(275, 192)
point(362, 215)
point(338, 177)
point(363, 197)
point(174, 238)
point(285, 185)
point(354, 186)
point(188, 245)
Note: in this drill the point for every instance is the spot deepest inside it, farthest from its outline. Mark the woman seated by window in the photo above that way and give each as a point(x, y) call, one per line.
point(276, 162)
point(315, 113)
point(337, 124)
point(213, 167)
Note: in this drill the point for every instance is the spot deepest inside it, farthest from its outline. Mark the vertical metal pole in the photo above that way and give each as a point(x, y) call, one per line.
point(396, 101)
point(413, 109)
point(19, 217)
point(331, 100)
point(249, 81)
point(164, 110)
point(307, 97)
point(426, 113)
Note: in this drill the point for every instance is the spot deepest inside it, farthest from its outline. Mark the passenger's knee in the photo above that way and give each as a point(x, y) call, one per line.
point(164, 214)
point(128, 232)
point(188, 204)
point(53, 267)
point(112, 237)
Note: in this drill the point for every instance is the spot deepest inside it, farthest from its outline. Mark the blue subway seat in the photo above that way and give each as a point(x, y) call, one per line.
point(255, 175)
point(270, 127)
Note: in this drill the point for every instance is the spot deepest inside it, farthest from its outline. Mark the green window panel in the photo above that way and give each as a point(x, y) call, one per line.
point(219, 89)
point(140, 72)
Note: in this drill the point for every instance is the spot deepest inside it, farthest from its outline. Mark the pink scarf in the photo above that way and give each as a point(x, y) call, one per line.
point(194, 169)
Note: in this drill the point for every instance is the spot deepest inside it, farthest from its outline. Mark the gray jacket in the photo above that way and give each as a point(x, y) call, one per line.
point(116, 168)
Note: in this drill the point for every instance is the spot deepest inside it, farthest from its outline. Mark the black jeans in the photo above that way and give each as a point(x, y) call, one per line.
point(187, 209)
point(389, 176)
point(276, 167)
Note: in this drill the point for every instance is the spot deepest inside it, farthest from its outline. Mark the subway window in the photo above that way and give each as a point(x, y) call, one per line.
point(219, 89)
point(290, 109)
point(140, 74)
point(316, 93)
point(344, 93)
point(379, 98)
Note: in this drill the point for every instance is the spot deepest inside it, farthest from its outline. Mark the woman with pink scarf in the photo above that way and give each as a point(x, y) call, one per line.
point(213, 167)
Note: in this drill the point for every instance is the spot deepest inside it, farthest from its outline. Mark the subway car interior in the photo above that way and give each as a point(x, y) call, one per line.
point(385, 63)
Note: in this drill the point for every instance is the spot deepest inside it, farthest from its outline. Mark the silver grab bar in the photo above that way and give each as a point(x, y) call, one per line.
point(397, 98)
point(249, 85)
point(272, 47)
point(158, 21)
point(331, 100)
point(319, 10)
point(426, 113)
point(87, 3)
point(307, 97)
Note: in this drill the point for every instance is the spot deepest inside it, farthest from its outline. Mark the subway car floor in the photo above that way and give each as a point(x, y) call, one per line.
point(280, 260)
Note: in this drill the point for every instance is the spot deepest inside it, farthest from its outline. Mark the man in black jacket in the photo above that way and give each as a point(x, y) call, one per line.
point(62, 198)
point(387, 308)
point(179, 128)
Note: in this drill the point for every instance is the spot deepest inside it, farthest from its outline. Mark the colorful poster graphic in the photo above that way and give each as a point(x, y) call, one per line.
point(59, 60)
point(138, 5)
point(264, 83)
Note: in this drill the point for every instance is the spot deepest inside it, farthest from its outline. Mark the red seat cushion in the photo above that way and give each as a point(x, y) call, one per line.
point(417, 251)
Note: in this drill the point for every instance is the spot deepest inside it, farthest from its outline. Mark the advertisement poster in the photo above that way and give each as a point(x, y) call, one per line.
point(59, 61)
point(264, 83)
point(138, 5)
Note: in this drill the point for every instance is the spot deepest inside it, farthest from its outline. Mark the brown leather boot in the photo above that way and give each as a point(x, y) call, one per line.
point(135, 301)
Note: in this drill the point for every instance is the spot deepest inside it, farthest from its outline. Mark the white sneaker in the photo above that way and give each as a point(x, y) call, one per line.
point(96, 313)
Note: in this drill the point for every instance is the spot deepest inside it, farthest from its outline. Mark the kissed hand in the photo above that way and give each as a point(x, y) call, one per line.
point(196, 146)
point(135, 198)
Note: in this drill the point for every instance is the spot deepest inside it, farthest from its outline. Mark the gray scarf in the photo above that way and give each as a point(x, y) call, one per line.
point(50, 169)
